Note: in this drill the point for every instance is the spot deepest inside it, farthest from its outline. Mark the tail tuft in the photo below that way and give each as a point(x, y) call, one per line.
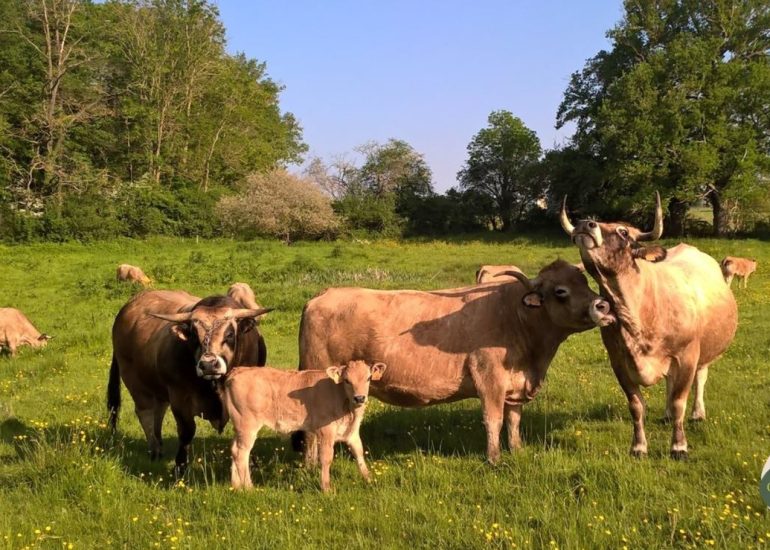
point(113, 394)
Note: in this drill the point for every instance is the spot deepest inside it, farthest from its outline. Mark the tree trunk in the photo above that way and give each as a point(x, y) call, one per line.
point(677, 215)
point(722, 210)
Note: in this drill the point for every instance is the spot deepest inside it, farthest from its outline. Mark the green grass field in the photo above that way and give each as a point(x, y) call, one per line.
point(66, 483)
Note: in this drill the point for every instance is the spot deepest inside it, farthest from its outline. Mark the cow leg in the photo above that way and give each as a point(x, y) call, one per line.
point(357, 449)
point(683, 375)
point(185, 427)
point(730, 280)
point(669, 389)
point(512, 419)
point(493, 421)
point(745, 281)
point(243, 442)
point(146, 420)
point(326, 452)
point(699, 406)
point(157, 428)
point(636, 407)
point(311, 450)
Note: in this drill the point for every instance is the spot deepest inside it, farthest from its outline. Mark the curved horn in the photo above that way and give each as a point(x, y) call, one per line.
point(564, 219)
point(245, 313)
point(523, 279)
point(657, 229)
point(172, 317)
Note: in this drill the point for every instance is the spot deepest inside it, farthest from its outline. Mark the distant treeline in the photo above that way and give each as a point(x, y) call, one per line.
point(129, 117)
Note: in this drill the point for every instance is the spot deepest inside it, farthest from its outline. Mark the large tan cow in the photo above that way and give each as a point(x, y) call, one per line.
point(328, 404)
point(16, 330)
point(675, 314)
point(495, 273)
point(742, 267)
point(243, 293)
point(494, 342)
point(171, 348)
point(132, 274)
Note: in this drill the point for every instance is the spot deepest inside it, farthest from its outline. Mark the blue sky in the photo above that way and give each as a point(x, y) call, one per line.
point(427, 72)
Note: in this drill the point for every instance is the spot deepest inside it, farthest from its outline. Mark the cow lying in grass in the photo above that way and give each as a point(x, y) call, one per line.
point(329, 405)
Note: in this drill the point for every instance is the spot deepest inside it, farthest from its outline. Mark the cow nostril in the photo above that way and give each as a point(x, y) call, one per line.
point(359, 398)
point(592, 225)
point(603, 307)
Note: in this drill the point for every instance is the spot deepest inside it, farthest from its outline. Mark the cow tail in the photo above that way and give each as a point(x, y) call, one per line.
point(113, 394)
point(298, 438)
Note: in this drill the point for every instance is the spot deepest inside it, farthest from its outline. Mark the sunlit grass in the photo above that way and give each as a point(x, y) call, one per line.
point(64, 480)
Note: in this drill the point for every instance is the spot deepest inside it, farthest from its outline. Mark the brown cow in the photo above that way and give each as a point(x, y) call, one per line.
point(495, 273)
point(328, 404)
point(742, 267)
point(170, 348)
point(494, 342)
point(16, 330)
point(242, 293)
point(132, 274)
point(675, 316)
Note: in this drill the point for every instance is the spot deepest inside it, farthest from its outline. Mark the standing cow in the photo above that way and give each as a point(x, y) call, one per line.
point(675, 314)
point(16, 330)
point(742, 267)
point(494, 342)
point(172, 348)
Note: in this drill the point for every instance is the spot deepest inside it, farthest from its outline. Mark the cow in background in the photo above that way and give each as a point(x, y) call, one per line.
point(132, 274)
point(675, 316)
point(742, 267)
point(172, 348)
point(16, 330)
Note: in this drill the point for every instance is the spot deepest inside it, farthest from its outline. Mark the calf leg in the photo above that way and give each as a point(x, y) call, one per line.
point(311, 450)
point(243, 442)
point(326, 452)
point(357, 449)
point(185, 427)
point(512, 419)
point(699, 406)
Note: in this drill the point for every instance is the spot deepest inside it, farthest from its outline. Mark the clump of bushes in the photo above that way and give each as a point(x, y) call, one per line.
point(278, 204)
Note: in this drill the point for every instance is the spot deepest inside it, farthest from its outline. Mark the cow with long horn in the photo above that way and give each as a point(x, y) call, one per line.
point(676, 316)
point(172, 348)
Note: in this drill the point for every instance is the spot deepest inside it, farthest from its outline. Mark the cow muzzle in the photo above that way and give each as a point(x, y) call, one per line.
point(210, 366)
point(359, 400)
point(587, 235)
point(601, 312)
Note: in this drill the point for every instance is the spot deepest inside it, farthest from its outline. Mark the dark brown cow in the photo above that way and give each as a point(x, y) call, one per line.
point(16, 330)
point(494, 342)
point(675, 314)
point(172, 348)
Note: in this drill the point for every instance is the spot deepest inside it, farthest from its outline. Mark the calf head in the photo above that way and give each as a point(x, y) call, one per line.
point(613, 248)
point(213, 328)
point(355, 377)
point(562, 292)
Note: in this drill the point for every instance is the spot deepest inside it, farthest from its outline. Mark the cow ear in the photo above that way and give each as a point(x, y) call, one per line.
point(246, 324)
point(377, 370)
point(532, 299)
point(45, 336)
point(335, 374)
point(650, 253)
point(181, 331)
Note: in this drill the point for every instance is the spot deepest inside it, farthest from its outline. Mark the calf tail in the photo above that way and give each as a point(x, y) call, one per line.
point(113, 394)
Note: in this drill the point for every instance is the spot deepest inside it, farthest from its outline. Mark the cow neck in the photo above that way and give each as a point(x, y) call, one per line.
point(539, 344)
point(626, 293)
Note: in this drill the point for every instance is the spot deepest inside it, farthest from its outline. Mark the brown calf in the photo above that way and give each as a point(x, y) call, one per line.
point(132, 274)
point(329, 405)
point(16, 330)
point(742, 267)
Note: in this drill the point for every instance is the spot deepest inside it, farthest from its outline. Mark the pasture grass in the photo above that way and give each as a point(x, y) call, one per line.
point(65, 482)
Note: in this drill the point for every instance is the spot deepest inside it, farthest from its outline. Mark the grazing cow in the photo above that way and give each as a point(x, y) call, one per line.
point(742, 267)
point(132, 274)
point(489, 273)
point(327, 404)
point(493, 342)
point(16, 330)
point(241, 292)
point(170, 348)
point(675, 316)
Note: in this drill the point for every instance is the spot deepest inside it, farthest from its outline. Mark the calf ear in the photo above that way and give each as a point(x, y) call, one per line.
point(650, 253)
point(532, 299)
point(377, 370)
point(335, 374)
point(247, 324)
point(181, 331)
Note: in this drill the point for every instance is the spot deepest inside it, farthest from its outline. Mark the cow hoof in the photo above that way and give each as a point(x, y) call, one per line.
point(638, 453)
point(179, 470)
point(699, 418)
point(493, 461)
point(679, 455)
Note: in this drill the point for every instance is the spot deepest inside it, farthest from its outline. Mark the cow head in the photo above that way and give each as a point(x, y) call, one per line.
point(561, 290)
point(355, 376)
point(213, 327)
point(613, 248)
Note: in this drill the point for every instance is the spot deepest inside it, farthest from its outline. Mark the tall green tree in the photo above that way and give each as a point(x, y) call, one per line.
point(502, 163)
point(679, 104)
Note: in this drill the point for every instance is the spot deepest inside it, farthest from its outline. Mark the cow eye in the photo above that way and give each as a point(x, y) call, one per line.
point(561, 293)
point(623, 232)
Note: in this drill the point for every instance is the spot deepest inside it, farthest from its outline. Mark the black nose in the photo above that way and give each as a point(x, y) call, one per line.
point(603, 306)
point(359, 399)
point(208, 362)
